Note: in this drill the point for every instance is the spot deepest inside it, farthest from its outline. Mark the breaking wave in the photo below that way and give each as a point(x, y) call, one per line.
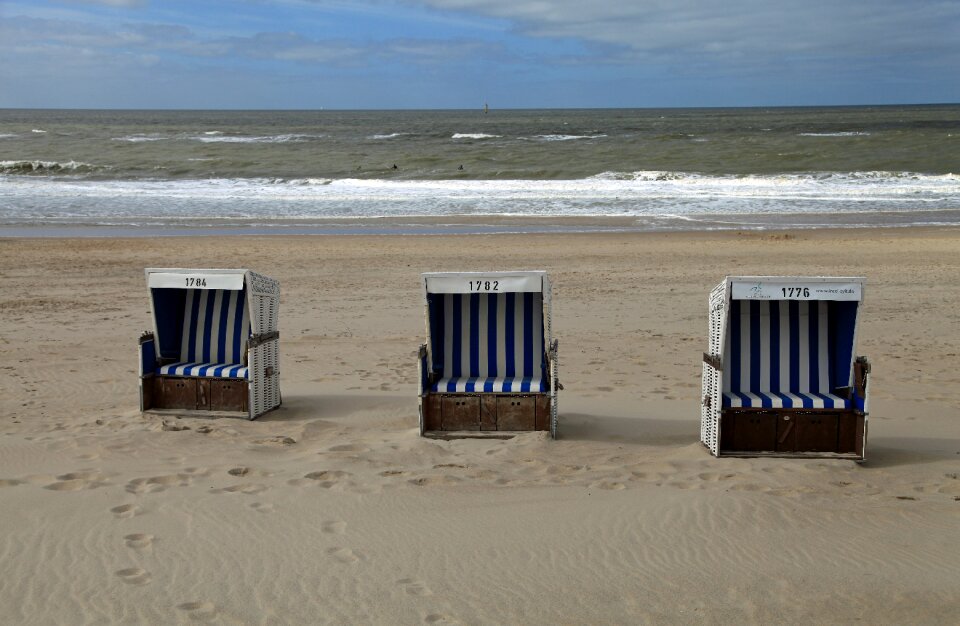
point(46, 167)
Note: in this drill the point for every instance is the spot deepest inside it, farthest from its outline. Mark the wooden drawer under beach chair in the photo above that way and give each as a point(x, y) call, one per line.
point(486, 412)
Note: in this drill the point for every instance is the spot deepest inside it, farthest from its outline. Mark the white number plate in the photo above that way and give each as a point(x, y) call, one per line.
point(479, 283)
point(796, 291)
point(196, 281)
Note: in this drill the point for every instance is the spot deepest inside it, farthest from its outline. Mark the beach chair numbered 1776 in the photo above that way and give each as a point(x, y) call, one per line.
point(214, 349)
point(490, 362)
point(780, 377)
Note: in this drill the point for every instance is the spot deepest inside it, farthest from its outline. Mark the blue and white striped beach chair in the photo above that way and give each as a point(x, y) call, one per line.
point(780, 376)
point(490, 362)
point(214, 345)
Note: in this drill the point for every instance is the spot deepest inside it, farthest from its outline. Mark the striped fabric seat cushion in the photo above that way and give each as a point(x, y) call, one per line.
point(782, 400)
point(488, 342)
point(213, 370)
point(496, 384)
point(216, 325)
point(784, 354)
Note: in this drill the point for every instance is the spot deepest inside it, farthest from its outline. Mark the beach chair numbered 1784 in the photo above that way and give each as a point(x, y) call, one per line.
point(490, 362)
point(214, 349)
point(780, 377)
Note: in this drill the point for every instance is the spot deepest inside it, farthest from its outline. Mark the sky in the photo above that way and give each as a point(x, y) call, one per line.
point(428, 54)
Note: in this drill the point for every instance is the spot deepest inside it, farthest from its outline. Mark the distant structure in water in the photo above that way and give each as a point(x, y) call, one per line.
point(486, 108)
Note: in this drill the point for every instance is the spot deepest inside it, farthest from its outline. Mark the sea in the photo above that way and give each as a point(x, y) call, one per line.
point(96, 172)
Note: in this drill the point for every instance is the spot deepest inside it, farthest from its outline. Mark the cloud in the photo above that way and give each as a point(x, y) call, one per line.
point(59, 40)
point(109, 3)
point(732, 29)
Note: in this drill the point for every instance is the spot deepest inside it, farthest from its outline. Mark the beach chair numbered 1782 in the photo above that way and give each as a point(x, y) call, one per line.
point(490, 362)
point(214, 349)
point(780, 377)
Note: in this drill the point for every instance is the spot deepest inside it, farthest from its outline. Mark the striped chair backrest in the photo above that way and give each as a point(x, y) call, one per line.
point(486, 335)
point(789, 346)
point(216, 325)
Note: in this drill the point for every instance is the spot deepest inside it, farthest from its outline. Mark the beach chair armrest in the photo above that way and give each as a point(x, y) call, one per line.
point(262, 338)
point(425, 374)
point(713, 361)
point(861, 380)
point(148, 355)
point(552, 363)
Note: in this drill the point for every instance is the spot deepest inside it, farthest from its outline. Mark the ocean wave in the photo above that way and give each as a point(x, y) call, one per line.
point(38, 131)
point(850, 133)
point(474, 136)
point(625, 194)
point(7, 135)
point(568, 137)
point(389, 136)
point(45, 167)
point(286, 138)
point(139, 138)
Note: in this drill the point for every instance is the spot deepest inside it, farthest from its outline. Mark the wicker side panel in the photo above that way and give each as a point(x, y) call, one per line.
point(554, 384)
point(263, 285)
point(706, 383)
point(265, 314)
point(712, 379)
point(264, 364)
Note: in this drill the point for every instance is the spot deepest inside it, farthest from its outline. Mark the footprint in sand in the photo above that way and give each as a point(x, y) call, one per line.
point(199, 610)
point(394, 473)
point(610, 485)
point(139, 541)
point(433, 481)
point(349, 447)
point(262, 507)
point(415, 587)
point(68, 485)
point(9, 482)
point(134, 576)
point(75, 481)
point(324, 478)
point(156, 484)
point(239, 471)
point(125, 511)
point(247, 488)
point(278, 440)
point(334, 527)
point(440, 618)
point(344, 555)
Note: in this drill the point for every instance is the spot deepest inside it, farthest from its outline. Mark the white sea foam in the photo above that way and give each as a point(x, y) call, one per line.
point(851, 133)
point(286, 138)
point(140, 138)
point(7, 135)
point(568, 137)
point(474, 136)
point(643, 195)
point(37, 130)
point(389, 136)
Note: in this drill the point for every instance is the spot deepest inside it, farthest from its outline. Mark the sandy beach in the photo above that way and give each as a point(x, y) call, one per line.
point(332, 509)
